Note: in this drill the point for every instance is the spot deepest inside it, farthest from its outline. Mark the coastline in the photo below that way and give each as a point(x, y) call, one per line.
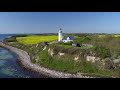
point(24, 60)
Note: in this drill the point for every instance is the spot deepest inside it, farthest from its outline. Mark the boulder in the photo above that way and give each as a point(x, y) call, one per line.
point(36, 45)
point(76, 58)
point(61, 54)
point(92, 58)
point(50, 51)
point(44, 48)
point(116, 60)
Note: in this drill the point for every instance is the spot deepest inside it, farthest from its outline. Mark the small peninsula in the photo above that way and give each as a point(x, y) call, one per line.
point(68, 55)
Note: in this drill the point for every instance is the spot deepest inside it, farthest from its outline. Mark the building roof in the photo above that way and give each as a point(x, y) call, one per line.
point(70, 37)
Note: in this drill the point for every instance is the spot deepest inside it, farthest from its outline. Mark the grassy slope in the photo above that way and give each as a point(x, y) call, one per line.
point(65, 64)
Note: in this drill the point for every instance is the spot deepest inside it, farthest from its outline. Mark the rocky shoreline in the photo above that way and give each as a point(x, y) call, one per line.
point(24, 60)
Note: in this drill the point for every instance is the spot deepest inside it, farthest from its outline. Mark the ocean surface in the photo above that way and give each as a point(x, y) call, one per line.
point(9, 68)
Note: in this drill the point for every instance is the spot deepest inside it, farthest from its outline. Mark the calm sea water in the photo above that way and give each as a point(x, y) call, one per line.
point(9, 68)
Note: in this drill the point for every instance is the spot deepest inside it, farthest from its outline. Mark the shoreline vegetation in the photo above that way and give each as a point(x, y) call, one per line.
point(24, 59)
point(97, 56)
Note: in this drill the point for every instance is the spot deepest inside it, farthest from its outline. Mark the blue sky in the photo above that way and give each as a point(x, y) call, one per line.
point(49, 22)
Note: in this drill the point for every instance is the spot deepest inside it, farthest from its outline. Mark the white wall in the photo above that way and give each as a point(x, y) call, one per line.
point(59, 36)
point(67, 40)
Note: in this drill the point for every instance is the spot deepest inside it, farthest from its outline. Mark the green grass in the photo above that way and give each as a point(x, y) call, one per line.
point(101, 36)
point(65, 46)
point(117, 35)
point(34, 39)
point(81, 39)
point(67, 64)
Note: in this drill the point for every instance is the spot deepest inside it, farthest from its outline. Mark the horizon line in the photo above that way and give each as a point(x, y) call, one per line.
point(57, 33)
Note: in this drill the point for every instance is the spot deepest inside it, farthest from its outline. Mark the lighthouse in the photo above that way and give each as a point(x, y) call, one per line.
point(60, 35)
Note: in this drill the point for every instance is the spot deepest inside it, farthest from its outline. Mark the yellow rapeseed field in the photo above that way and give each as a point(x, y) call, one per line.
point(34, 39)
point(117, 35)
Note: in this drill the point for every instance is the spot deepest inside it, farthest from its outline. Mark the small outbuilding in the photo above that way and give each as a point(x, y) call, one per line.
point(76, 44)
point(67, 39)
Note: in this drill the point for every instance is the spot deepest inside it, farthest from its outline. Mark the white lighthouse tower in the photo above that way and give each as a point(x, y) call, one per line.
point(60, 35)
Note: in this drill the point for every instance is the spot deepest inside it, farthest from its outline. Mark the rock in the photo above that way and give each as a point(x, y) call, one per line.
point(52, 53)
point(44, 48)
point(36, 45)
point(116, 60)
point(92, 58)
point(61, 54)
point(49, 50)
point(76, 58)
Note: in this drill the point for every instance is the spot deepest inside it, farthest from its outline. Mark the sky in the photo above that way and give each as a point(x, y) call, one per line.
point(50, 22)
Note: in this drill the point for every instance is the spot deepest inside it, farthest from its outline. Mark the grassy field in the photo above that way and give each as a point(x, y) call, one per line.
point(117, 35)
point(101, 36)
point(66, 63)
point(34, 39)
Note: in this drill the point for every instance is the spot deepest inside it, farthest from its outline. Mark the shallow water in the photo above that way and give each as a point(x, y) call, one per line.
point(9, 67)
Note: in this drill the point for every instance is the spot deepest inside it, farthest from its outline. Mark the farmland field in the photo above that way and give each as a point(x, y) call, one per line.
point(34, 39)
point(117, 35)
point(101, 36)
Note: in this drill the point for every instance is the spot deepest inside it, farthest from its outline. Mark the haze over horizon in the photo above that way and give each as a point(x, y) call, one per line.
point(50, 22)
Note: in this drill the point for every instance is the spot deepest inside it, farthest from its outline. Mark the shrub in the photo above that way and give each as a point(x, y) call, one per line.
point(101, 51)
point(72, 51)
point(68, 43)
point(61, 43)
point(109, 64)
point(11, 39)
point(21, 35)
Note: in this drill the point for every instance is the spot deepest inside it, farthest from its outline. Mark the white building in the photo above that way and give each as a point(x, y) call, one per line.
point(66, 38)
point(60, 35)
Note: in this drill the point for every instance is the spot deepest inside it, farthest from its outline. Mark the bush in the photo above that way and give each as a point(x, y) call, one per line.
point(68, 43)
point(22, 35)
point(86, 39)
point(109, 64)
point(101, 51)
point(61, 43)
point(72, 51)
point(11, 39)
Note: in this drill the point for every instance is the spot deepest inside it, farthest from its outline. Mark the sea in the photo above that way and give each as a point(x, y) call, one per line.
point(9, 68)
